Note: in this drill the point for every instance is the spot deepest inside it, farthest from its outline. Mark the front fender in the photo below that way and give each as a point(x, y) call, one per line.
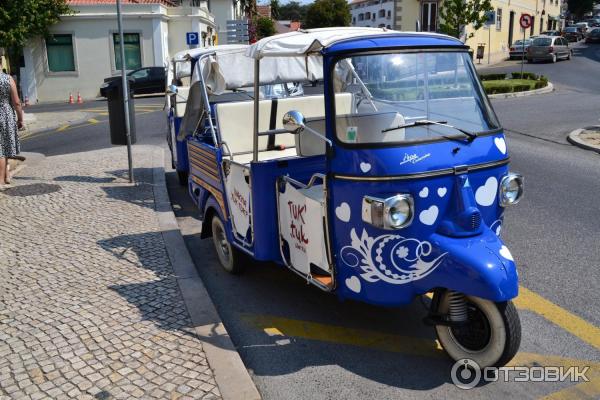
point(479, 266)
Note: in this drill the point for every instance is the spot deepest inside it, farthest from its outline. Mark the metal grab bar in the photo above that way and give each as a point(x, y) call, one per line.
point(310, 184)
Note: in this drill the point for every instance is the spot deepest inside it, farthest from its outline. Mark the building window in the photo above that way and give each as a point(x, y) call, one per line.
point(61, 57)
point(133, 54)
point(389, 14)
point(367, 15)
point(429, 17)
point(361, 17)
point(381, 13)
point(353, 20)
point(499, 19)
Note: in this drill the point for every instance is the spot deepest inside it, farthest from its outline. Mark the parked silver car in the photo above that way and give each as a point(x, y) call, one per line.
point(548, 48)
point(519, 47)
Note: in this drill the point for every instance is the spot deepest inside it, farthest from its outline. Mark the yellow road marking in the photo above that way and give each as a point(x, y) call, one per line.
point(573, 324)
point(278, 326)
point(93, 121)
point(62, 128)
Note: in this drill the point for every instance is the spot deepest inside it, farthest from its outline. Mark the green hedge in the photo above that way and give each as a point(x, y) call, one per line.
point(492, 77)
point(526, 75)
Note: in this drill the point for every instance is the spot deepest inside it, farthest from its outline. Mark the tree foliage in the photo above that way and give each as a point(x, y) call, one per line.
point(293, 11)
point(580, 7)
point(326, 13)
point(264, 27)
point(456, 14)
point(24, 19)
point(275, 9)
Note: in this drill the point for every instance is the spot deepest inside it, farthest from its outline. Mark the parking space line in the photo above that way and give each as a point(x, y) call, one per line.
point(93, 121)
point(279, 326)
point(62, 128)
point(529, 300)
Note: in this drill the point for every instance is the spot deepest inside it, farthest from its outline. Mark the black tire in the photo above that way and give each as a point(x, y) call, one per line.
point(230, 258)
point(569, 55)
point(182, 177)
point(499, 344)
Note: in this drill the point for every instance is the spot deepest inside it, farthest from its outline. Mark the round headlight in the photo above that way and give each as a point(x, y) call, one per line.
point(398, 211)
point(511, 189)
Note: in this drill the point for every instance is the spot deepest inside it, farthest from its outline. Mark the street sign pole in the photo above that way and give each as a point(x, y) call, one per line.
point(525, 22)
point(489, 42)
point(523, 53)
point(125, 91)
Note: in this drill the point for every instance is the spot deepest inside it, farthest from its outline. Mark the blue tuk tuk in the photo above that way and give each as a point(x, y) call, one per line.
point(385, 180)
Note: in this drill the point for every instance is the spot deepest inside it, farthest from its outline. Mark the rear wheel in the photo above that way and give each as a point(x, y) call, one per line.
point(229, 256)
point(569, 55)
point(553, 58)
point(490, 337)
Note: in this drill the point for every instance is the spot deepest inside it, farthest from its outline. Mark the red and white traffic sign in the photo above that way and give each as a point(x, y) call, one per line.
point(525, 20)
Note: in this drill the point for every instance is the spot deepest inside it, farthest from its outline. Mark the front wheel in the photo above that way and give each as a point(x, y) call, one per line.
point(490, 337)
point(229, 256)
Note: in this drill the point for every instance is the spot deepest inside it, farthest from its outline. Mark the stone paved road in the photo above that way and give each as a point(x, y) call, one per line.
point(89, 305)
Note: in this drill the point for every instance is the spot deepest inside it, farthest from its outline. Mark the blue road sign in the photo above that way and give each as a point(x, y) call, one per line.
point(491, 18)
point(192, 38)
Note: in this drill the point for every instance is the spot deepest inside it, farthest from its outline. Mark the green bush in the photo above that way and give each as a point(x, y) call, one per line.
point(526, 75)
point(541, 84)
point(492, 77)
point(521, 88)
point(498, 89)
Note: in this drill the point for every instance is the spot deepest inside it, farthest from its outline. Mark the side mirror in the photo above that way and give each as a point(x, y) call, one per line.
point(172, 89)
point(293, 121)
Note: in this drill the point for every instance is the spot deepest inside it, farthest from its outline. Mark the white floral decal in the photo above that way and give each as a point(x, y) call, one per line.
point(404, 262)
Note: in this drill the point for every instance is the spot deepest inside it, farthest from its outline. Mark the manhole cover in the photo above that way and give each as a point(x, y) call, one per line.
point(34, 189)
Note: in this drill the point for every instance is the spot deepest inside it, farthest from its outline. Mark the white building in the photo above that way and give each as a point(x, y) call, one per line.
point(84, 47)
point(373, 13)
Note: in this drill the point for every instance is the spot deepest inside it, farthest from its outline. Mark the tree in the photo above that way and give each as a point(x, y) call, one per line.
point(292, 11)
point(275, 9)
point(325, 13)
point(456, 14)
point(580, 7)
point(24, 19)
point(264, 27)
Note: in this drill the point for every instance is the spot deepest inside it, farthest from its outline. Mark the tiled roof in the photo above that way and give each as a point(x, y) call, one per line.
point(264, 11)
point(95, 2)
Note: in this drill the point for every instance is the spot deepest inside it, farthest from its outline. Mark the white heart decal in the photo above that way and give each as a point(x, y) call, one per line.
point(343, 212)
point(504, 252)
point(365, 167)
point(429, 216)
point(486, 194)
point(424, 192)
point(442, 191)
point(353, 283)
point(500, 144)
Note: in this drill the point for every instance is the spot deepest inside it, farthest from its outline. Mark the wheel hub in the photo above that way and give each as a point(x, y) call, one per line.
point(476, 333)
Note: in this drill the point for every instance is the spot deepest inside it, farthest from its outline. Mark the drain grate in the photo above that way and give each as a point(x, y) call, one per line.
point(34, 189)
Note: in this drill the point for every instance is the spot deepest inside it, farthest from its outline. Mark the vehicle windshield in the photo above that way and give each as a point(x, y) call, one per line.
point(404, 97)
point(542, 42)
point(570, 29)
point(520, 42)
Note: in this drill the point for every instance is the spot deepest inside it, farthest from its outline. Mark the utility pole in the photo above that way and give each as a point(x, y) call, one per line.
point(125, 90)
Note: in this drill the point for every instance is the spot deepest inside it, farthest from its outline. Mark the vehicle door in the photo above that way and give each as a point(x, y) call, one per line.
point(157, 79)
point(141, 80)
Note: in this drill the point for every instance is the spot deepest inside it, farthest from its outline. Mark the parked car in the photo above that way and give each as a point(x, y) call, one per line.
point(550, 33)
point(593, 36)
point(572, 34)
point(548, 48)
point(146, 80)
point(518, 48)
point(584, 26)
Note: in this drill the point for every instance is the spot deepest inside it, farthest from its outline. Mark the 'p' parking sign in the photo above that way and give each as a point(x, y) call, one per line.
point(192, 38)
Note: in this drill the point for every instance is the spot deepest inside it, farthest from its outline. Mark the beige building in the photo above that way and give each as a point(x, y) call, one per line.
point(84, 47)
point(407, 15)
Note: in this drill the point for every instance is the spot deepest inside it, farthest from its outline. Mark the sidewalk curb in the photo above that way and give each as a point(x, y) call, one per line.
point(549, 88)
point(574, 139)
point(231, 375)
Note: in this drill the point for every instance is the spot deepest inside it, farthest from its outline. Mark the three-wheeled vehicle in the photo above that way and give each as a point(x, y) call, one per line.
point(390, 184)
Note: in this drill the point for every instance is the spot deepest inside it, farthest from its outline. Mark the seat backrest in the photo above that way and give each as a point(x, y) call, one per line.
point(181, 100)
point(235, 120)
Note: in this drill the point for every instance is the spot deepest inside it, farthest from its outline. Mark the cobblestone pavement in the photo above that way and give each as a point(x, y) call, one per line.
point(89, 305)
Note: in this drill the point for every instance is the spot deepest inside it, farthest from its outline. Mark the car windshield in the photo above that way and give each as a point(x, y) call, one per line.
point(570, 29)
point(404, 97)
point(542, 42)
point(520, 42)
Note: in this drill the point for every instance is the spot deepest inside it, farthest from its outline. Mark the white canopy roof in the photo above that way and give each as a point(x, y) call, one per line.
point(302, 42)
point(195, 53)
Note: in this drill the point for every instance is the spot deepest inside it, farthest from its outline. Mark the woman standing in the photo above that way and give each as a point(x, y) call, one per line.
point(9, 141)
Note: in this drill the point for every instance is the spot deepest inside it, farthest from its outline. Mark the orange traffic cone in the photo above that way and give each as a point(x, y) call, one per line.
point(71, 98)
point(79, 99)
